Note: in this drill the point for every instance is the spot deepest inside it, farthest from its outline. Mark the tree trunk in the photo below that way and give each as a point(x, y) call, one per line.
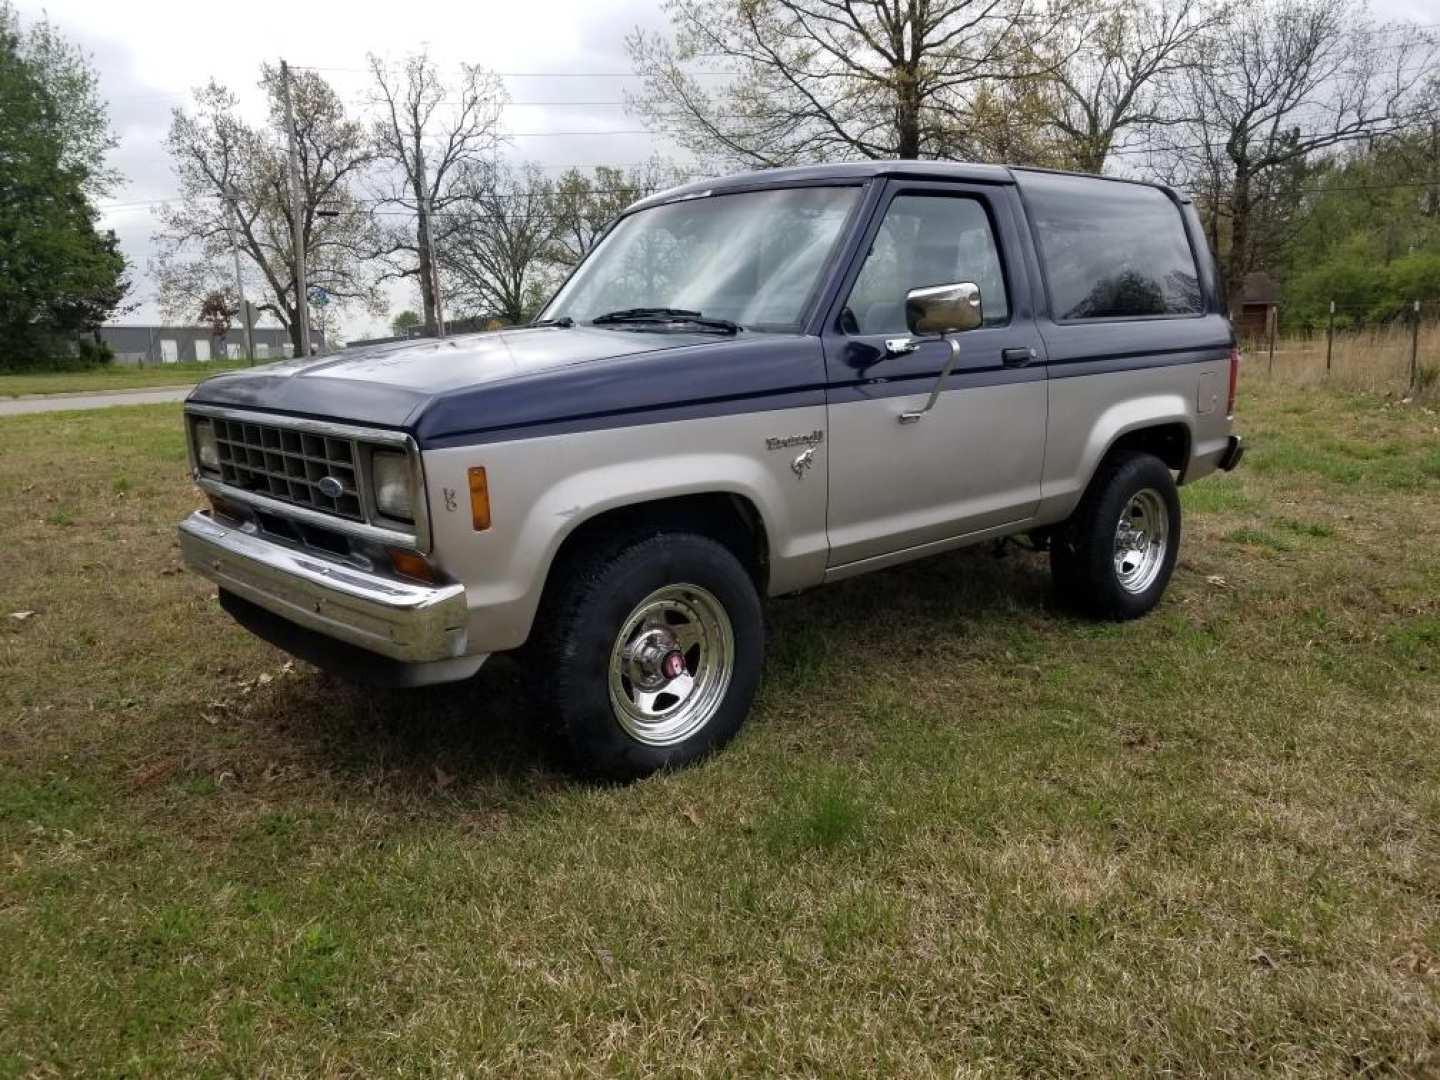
point(907, 114)
point(1238, 264)
point(418, 184)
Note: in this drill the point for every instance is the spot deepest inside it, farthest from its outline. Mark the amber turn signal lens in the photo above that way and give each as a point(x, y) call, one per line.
point(479, 498)
point(409, 564)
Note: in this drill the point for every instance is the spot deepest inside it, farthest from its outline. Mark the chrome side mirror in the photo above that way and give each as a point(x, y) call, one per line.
point(943, 309)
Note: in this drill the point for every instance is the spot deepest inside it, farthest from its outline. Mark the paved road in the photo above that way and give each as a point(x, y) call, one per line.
point(100, 399)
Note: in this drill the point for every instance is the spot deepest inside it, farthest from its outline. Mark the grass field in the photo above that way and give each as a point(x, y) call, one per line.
point(1374, 360)
point(963, 834)
point(113, 377)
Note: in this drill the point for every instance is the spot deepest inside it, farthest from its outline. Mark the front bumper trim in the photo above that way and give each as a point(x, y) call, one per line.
point(412, 623)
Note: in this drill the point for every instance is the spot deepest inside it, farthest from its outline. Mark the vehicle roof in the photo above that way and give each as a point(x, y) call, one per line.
point(864, 170)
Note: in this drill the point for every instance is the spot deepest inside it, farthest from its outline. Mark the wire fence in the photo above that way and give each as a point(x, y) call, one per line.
point(1398, 358)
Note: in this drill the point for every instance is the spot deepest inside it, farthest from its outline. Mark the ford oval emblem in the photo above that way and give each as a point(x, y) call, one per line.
point(331, 487)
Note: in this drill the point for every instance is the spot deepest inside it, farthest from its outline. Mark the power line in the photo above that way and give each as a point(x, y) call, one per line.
point(370, 206)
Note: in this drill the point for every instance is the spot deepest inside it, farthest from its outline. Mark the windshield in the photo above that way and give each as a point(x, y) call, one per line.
point(754, 258)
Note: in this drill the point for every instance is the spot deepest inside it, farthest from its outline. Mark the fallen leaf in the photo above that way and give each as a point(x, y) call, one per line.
point(21, 616)
point(442, 778)
point(154, 774)
point(690, 814)
point(263, 678)
point(1262, 959)
point(1218, 581)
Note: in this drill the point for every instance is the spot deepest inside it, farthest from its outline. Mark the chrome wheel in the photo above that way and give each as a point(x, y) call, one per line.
point(671, 665)
point(1142, 537)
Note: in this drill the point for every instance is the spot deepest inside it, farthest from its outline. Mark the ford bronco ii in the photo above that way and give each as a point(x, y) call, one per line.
point(750, 386)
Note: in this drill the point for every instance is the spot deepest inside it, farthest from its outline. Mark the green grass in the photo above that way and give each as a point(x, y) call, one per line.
point(115, 376)
point(964, 832)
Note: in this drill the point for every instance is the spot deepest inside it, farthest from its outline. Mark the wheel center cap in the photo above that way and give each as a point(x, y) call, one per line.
point(673, 665)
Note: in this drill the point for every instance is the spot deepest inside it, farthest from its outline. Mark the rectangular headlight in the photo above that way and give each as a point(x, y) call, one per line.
point(390, 477)
point(207, 453)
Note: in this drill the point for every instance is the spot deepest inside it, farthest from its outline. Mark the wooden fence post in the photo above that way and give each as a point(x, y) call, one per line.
point(1414, 344)
point(1329, 337)
point(1272, 321)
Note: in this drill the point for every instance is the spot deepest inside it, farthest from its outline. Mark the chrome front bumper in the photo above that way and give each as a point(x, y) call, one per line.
point(412, 623)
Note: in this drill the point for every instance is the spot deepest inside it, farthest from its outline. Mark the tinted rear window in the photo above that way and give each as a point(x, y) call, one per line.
point(1111, 250)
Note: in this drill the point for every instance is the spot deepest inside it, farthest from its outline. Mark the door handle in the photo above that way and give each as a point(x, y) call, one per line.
point(1017, 357)
point(899, 346)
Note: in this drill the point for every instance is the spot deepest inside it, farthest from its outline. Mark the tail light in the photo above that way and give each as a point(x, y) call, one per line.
point(1234, 380)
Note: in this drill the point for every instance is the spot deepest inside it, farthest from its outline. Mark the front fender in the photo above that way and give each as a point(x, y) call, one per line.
point(543, 489)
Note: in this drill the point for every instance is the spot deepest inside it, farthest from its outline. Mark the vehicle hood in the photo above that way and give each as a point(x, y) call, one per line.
point(439, 388)
point(387, 384)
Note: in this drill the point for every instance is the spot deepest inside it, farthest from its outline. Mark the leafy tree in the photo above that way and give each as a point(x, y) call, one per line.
point(583, 206)
point(404, 323)
point(495, 261)
point(216, 154)
point(60, 277)
point(80, 124)
point(1111, 72)
point(1285, 82)
point(818, 80)
point(1370, 235)
point(458, 123)
point(218, 312)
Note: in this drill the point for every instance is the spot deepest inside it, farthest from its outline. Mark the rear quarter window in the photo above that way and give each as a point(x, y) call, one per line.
point(1111, 250)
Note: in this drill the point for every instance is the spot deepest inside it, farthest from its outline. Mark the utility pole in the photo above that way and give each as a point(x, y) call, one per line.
point(427, 235)
point(297, 218)
point(232, 198)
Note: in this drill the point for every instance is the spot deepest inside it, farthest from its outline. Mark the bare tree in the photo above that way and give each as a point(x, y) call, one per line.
point(583, 206)
point(502, 227)
point(430, 134)
point(1283, 82)
point(815, 80)
point(217, 155)
point(1115, 71)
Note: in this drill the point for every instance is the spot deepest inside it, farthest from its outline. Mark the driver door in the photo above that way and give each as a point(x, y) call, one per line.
point(974, 461)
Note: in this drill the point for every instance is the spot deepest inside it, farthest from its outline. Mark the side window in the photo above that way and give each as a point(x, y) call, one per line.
point(926, 240)
point(1111, 250)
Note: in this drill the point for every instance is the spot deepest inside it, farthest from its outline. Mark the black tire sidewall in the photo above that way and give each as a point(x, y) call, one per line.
point(611, 590)
point(1088, 567)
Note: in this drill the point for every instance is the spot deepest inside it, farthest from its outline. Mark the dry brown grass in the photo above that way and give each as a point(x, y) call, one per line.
point(1376, 360)
point(964, 833)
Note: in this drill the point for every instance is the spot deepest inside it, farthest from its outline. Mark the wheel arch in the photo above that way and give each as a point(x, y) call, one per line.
point(1168, 440)
point(731, 518)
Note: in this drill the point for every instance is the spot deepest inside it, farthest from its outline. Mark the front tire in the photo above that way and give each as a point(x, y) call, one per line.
point(649, 653)
point(1114, 557)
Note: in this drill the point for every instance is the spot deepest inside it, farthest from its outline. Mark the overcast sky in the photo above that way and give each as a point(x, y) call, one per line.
point(151, 54)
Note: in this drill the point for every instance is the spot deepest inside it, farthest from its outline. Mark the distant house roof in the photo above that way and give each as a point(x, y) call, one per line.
point(1260, 288)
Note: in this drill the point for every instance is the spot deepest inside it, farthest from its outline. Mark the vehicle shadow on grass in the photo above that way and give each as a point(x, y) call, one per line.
point(431, 740)
point(487, 731)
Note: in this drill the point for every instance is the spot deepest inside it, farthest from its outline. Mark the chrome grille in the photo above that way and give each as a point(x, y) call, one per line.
point(287, 464)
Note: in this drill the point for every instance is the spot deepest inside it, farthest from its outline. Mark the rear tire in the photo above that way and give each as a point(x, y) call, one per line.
point(648, 653)
point(1113, 558)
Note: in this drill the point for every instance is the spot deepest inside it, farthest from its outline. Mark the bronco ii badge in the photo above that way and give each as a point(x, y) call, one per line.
point(815, 438)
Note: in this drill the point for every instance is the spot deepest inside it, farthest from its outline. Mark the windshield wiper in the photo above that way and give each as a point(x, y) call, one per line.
point(664, 315)
point(564, 322)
